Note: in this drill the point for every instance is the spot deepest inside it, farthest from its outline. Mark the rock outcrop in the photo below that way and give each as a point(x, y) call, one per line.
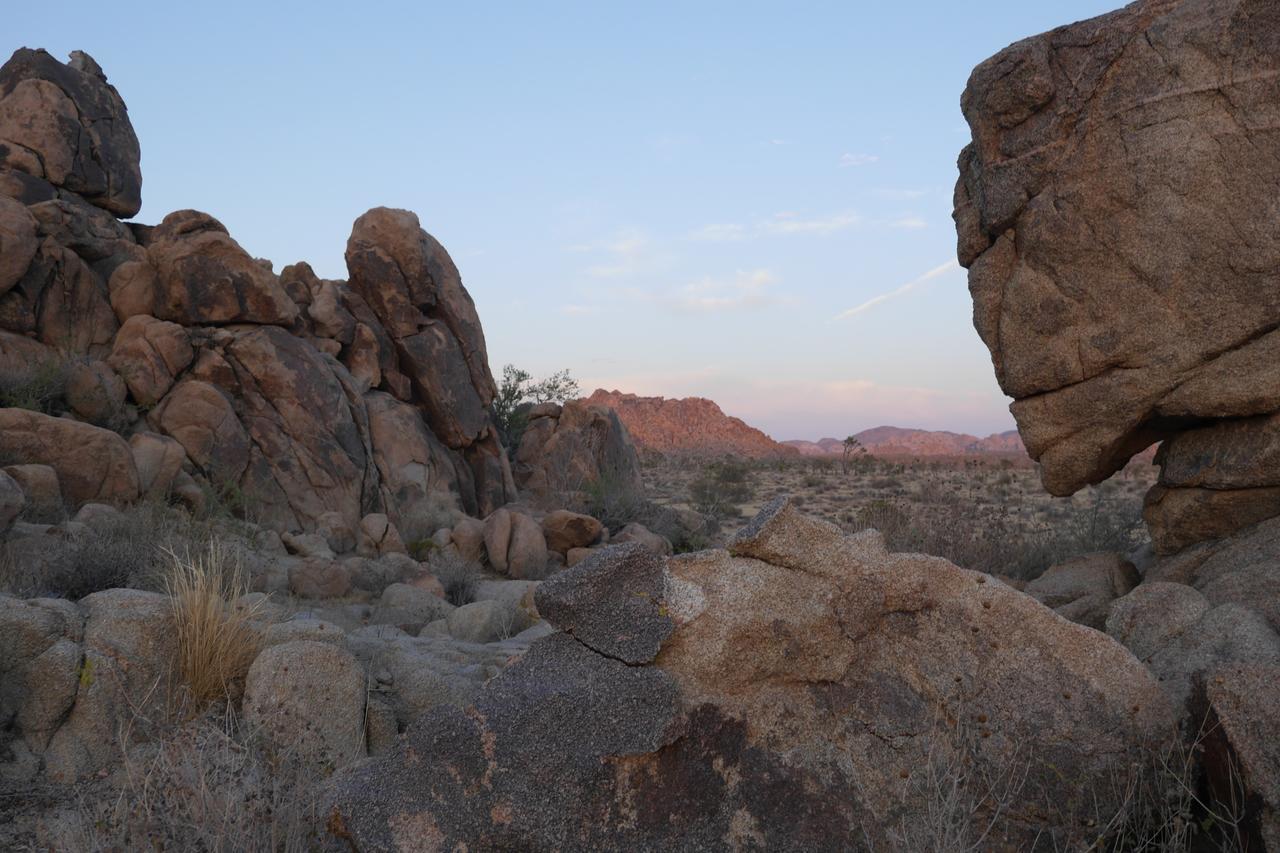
point(692, 426)
point(781, 695)
point(1114, 215)
point(566, 450)
point(292, 396)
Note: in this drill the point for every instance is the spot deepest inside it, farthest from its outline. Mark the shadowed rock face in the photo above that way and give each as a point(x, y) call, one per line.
point(301, 396)
point(783, 694)
point(67, 125)
point(1115, 211)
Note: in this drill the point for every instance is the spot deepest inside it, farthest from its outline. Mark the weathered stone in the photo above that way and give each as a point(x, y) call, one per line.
point(413, 288)
point(309, 698)
point(158, 460)
point(149, 353)
point(637, 532)
point(18, 242)
point(39, 484)
point(194, 273)
point(319, 577)
point(1082, 589)
point(96, 393)
point(202, 420)
point(559, 457)
point(377, 536)
point(565, 530)
point(1241, 708)
point(467, 537)
point(13, 500)
point(481, 622)
point(68, 125)
point(738, 732)
point(1115, 171)
point(409, 607)
point(92, 463)
point(130, 648)
point(337, 531)
point(611, 603)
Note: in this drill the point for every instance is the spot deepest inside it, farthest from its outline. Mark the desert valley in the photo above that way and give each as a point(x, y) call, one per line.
point(286, 564)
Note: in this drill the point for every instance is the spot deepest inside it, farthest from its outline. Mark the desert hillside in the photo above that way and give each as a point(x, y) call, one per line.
point(896, 441)
point(692, 426)
point(283, 567)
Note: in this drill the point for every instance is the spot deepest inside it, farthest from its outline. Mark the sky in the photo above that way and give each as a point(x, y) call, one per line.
point(744, 201)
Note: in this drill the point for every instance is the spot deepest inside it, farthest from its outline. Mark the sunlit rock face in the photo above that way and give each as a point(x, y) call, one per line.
point(1116, 211)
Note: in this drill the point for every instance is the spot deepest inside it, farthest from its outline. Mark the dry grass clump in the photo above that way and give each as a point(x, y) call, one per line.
point(458, 576)
point(1153, 800)
point(216, 640)
point(208, 784)
point(40, 387)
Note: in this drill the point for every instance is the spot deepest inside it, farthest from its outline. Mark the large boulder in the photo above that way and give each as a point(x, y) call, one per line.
point(568, 450)
point(515, 545)
point(193, 272)
point(780, 695)
point(308, 698)
point(93, 464)
point(148, 353)
point(68, 125)
point(1240, 708)
point(18, 241)
point(130, 652)
point(1082, 589)
point(405, 276)
point(1113, 215)
point(565, 530)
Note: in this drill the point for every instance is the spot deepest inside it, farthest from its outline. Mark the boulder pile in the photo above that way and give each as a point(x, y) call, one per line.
point(198, 370)
point(791, 693)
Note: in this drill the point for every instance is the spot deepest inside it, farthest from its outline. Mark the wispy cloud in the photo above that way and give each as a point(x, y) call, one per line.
point(579, 310)
point(747, 289)
point(849, 159)
point(895, 194)
point(937, 271)
point(910, 222)
point(790, 223)
point(720, 232)
point(625, 253)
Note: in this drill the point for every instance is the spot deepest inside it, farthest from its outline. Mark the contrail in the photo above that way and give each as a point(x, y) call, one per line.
point(885, 297)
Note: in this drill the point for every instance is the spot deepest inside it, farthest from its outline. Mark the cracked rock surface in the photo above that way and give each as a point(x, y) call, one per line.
point(800, 680)
point(1115, 212)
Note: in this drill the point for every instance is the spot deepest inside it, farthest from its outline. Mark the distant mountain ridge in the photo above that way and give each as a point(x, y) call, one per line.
point(692, 426)
point(897, 441)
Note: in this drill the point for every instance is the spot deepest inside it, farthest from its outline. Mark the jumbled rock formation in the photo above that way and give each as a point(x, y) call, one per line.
point(1116, 213)
point(566, 450)
point(299, 397)
point(791, 693)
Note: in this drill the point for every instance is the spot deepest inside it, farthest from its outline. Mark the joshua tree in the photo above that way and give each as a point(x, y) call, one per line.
point(853, 449)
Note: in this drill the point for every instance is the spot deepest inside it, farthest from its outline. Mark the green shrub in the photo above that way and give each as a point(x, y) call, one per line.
point(721, 487)
point(458, 576)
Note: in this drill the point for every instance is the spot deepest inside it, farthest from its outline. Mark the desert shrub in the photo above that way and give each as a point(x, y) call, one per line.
point(517, 392)
point(40, 387)
point(126, 550)
point(721, 488)
point(458, 576)
point(436, 511)
point(610, 498)
point(1154, 800)
point(211, 783)
point(1002, 540)
point(216, 640)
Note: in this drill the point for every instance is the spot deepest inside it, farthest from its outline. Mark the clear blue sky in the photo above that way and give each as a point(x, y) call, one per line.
point(666, 198)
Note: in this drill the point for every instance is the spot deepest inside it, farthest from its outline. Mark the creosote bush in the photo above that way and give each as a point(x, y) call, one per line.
point(721, 488)
point(459, 577)
point(217, 640)
point(39, 387)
